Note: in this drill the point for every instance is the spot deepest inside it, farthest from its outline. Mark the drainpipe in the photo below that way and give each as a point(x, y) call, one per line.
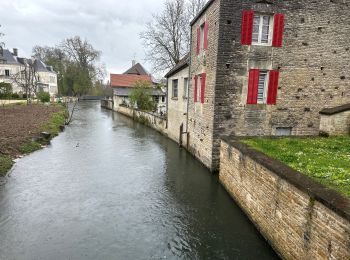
point(188, 88)
point(166, 103)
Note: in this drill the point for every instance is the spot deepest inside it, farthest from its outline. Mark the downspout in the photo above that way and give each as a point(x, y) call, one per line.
point(166, 103)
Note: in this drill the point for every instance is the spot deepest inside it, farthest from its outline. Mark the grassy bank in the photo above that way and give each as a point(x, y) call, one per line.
point(326, 160)
point(50, 123)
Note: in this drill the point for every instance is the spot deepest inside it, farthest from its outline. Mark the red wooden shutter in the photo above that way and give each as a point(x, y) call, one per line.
point(198, 40)
point(206, 27)
point(253, 83)
point(273, 87)
point(204, 76)
point(278, 28)
point(195, 88)
point(247, 27)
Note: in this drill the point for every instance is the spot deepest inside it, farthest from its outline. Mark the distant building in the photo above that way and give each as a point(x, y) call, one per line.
point(122, 85)
point(11, 64)
point(177, 95)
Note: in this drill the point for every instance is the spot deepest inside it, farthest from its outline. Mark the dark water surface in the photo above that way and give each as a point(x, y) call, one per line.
point(110, 188)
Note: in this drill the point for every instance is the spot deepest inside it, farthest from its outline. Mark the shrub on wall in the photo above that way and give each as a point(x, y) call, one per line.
point(140, 96)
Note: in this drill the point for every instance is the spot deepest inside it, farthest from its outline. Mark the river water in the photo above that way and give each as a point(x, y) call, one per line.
point(110, 188)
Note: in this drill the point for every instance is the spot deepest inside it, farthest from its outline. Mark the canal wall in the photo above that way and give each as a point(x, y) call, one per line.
point(154, 121)
point(299, 217)
point(107, 103)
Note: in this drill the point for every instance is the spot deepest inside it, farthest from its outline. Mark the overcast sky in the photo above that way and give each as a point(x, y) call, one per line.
point(111, 26)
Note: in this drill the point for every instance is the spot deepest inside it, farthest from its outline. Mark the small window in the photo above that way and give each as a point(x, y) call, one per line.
point(7, 73)
point(283, 131)
point(163, 99)
point(262, 29)
point(175, 88)
point(185, 87)
point(199, 88)
point(262, 87)
point(202, 31)
point(156, 99)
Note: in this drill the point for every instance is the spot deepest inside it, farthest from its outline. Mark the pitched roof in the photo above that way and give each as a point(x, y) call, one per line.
point(8, 57)
point(183, 63)
point(208, 4)
point(137, 69)
point(335, 110)
point(126, 80)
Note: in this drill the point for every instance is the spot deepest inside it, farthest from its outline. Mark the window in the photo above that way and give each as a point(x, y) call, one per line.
point(199, 88)
point(156, 99)
point(283, 131)
point(175, 88)
point(7, 73)
point(202, 29)
point(261, 29)
point(185, 87)
point(262, 87)
point(163, 99)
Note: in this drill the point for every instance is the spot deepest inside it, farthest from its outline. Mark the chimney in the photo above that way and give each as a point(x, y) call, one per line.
point(15, 52)
point(133, 63)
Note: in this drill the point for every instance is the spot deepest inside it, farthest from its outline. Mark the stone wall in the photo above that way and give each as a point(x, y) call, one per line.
point(107, 103)
point(300, 218)
point(156, 122)
point(336, 121)
point(177, 107)
point(201, 116)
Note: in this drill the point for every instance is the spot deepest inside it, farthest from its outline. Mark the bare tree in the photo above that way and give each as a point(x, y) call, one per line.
point(2, 44)
point(27, 79)
point(167, 37)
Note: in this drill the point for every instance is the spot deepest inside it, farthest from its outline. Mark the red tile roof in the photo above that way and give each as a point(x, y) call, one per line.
point(125, 80)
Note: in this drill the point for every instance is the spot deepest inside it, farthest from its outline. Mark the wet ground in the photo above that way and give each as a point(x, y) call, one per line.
point(110, 188)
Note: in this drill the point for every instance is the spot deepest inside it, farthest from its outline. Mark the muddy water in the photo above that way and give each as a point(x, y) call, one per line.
point(110, 188)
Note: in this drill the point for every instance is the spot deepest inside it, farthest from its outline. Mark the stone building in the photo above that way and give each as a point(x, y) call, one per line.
point(265, 68)
point(177, 96)
point(11, 65)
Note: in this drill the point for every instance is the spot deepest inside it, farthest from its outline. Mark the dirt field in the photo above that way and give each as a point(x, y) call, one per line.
point(19, 123)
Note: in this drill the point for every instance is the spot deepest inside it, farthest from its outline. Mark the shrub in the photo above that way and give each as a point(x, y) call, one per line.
point(15, 96)
point(44, 97)
point(140, 96)
point(5, 90)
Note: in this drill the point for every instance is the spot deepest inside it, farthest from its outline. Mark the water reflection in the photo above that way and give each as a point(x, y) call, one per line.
point(110, 188)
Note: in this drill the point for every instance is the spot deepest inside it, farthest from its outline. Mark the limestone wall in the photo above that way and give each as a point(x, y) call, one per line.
point(107, 103)
point(149, 119)
point(177, 106)
point(336, 120)
point(300, 218)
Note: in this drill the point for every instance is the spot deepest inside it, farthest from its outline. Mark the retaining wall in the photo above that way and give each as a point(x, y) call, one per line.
point(300, 218)
point(107, 103)
point(156, 122)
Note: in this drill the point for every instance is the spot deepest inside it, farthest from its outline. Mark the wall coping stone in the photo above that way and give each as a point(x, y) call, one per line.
point(335, 110)
point(330, 198)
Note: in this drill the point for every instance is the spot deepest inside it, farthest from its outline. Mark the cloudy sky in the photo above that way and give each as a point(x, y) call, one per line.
point(111, 26)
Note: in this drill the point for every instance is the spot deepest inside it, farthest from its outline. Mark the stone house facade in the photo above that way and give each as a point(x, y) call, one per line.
point(177, 96)
point(264, 68)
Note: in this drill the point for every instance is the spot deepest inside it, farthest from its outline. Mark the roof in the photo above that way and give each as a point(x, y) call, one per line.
point(126, 80)
point(335, 110)
point(40, 66)
point(137, 69)
point(183, 63)
point(8, 57)
point(125, 92)
point(202, 11)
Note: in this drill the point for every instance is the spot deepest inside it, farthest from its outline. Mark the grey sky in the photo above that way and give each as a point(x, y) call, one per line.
point(112, 26)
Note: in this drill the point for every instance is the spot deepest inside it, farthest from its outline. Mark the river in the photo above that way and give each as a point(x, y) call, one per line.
point(110, 188)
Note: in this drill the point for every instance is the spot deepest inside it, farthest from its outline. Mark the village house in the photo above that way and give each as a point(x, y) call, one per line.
point(11, 65)
point(122, 85)
point(264, 68)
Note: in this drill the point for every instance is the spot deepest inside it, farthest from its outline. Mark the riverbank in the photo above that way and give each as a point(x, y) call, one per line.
point(20, 129)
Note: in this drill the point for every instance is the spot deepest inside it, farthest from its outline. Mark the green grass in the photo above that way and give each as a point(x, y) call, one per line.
point(326, 160)
point(29, 147)
point(56, 120)
point(5, 164)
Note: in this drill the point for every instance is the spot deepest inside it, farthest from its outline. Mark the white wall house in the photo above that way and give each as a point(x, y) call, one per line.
point(11, 64)
point(177, 95)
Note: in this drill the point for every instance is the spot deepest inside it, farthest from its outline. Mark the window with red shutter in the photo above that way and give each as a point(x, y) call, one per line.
point(198, 40)
point(204, 76)
point(195, 88)
point(206, 30)
point(278, 29)
point(273, 87)
point(247, 27)
point(253, 83)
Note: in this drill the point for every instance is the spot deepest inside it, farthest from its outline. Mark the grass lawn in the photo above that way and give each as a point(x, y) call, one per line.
point(326, 160)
